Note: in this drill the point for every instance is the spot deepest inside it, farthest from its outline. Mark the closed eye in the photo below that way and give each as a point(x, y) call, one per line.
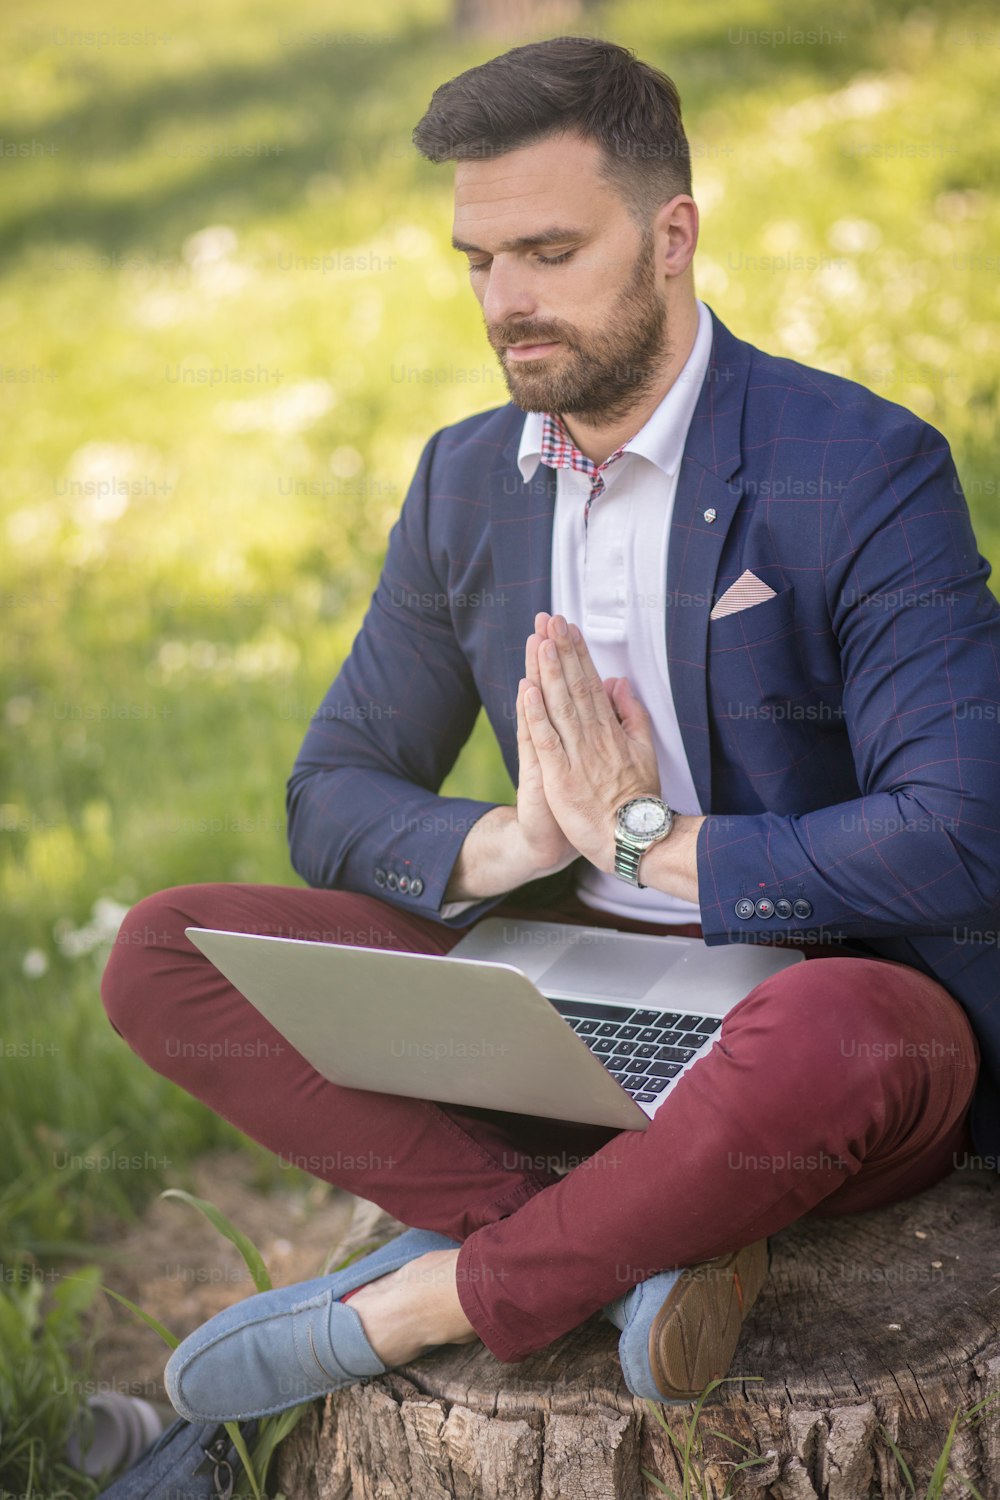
point(544, 260)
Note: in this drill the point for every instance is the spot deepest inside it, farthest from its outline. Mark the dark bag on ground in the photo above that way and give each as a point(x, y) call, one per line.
point(188, 1461)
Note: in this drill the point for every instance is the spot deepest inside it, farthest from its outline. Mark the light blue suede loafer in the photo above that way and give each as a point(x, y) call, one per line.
point(680, 1329)
point(294, 1344)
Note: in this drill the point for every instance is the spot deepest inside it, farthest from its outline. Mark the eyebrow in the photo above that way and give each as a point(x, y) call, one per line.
point(557, 235)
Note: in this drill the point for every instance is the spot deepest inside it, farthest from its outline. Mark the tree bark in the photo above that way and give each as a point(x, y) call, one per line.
point(884, 1320)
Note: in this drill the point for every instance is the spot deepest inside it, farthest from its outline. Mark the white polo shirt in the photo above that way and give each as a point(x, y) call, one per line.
point(610, 578)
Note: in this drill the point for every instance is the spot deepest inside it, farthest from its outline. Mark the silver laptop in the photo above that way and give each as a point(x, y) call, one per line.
point(540, 1018)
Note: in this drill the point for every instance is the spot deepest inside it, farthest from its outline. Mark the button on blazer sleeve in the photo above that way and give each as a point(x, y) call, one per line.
point(362, 797)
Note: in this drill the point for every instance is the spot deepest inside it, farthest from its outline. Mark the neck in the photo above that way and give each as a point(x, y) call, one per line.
point(597, 439)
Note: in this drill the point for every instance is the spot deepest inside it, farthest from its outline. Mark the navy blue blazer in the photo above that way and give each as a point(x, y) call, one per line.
point(842, 735)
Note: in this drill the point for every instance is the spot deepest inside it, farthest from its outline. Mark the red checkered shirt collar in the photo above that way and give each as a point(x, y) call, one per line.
point(560, 452)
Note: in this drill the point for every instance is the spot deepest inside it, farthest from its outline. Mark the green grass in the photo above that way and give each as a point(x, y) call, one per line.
point(183, 566)
point(41, 1386)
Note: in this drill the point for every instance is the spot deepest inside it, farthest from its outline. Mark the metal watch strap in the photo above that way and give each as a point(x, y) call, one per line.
point(627, 861)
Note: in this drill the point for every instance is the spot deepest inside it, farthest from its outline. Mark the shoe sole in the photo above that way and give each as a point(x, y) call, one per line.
point(695, 1333)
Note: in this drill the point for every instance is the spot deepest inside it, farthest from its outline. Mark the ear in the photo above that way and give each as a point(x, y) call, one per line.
point(675, 231)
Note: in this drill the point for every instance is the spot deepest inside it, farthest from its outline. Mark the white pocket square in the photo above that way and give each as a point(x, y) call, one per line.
point(745, 592)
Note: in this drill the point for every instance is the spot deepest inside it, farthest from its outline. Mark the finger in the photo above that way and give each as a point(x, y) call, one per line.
point(525, 744)
point(634, 719)
point(544, 736)
point(598, 693)
point(529, 773)
point(532, 669)
point(559, 703)
point(585, 686)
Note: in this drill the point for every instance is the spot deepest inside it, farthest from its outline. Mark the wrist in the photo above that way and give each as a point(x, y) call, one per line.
point(496, 858)
point(671, 865)
point(530, 860)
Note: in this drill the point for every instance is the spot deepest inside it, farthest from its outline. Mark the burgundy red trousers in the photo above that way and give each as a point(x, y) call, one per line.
point(837, 1085)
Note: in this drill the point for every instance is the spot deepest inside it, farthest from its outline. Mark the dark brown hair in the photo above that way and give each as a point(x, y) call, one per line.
point(576, 83)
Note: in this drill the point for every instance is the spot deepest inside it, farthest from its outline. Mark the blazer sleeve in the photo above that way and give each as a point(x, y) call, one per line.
point(362, 803)
point(919, 640)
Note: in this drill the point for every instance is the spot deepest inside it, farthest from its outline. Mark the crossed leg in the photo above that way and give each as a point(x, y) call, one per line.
point(835, 1086)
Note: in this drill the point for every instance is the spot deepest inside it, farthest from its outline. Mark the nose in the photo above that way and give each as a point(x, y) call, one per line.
point(508, 293)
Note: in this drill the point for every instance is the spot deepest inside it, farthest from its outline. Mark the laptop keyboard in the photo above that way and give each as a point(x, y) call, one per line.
point(643, 1049)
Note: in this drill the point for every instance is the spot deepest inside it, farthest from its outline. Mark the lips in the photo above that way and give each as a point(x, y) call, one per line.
point(531, 351)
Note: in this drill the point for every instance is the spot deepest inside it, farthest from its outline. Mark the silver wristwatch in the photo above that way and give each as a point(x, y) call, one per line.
point(639, 823)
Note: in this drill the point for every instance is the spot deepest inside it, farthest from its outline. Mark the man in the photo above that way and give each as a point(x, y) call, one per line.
point(674, 569)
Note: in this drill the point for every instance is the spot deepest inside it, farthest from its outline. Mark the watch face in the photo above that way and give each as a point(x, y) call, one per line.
point(644, 817)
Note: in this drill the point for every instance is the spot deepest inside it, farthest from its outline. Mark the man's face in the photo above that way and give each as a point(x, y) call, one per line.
point(565, 278)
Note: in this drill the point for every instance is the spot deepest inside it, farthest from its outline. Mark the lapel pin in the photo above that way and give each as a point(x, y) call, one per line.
point(710, 516)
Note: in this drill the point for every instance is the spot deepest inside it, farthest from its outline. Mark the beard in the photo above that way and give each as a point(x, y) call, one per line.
point(602, 374)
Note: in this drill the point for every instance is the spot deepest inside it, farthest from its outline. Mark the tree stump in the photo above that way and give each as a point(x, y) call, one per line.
point(883, 1320)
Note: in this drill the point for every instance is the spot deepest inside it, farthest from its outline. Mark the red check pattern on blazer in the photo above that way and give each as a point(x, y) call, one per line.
point(842, 733)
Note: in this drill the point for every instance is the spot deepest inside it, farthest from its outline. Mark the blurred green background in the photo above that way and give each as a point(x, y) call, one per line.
point(229, 320)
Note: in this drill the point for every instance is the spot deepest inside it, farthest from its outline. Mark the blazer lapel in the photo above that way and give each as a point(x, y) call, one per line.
point(521, 541)
point(704, 505)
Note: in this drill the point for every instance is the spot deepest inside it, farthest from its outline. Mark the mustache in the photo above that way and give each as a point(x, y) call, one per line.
point(503, 334)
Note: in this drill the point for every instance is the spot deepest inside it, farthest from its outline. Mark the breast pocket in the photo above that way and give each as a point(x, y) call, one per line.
point(754, 656)
point(758, 622)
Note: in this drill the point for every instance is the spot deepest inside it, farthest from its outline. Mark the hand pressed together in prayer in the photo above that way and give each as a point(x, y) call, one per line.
point(585, 745)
